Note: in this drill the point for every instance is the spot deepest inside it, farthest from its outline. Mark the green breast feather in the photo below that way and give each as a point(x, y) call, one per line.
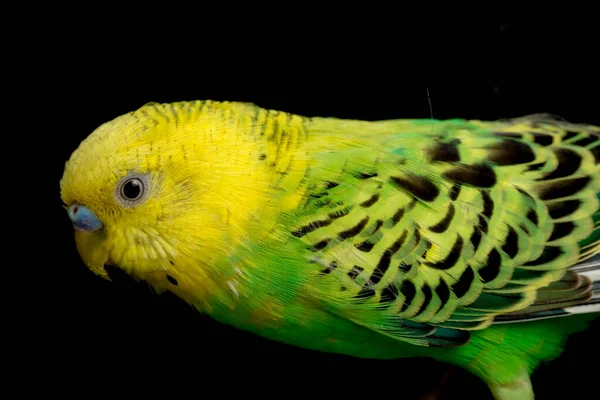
point(433, 235)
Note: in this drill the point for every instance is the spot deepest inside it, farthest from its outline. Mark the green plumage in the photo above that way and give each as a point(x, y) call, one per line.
point(420, 243)
point(458, 240)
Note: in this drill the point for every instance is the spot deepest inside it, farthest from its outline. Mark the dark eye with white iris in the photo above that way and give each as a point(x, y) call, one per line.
point(132, 189)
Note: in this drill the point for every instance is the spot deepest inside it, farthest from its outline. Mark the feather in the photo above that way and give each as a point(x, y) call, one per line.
point(374, 239)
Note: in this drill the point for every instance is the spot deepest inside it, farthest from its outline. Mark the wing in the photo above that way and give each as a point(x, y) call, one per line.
point(445, 232)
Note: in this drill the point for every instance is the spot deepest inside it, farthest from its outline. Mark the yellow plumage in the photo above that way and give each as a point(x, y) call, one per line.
point(204, 159)
point(376, 239)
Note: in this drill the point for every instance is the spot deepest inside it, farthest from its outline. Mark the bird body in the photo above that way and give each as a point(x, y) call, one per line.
point(461, 240)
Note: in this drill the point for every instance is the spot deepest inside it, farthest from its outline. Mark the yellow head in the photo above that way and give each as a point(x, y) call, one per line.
point(169, 191)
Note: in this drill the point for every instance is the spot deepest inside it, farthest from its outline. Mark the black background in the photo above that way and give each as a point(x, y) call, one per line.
point(82, 330)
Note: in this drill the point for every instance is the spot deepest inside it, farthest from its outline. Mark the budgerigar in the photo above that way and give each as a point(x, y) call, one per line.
point(461, 240)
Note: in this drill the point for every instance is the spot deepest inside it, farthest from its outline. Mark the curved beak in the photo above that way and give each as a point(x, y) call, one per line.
point(90, 239)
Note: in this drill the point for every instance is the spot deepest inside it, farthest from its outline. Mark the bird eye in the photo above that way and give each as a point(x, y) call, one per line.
point(132, 189)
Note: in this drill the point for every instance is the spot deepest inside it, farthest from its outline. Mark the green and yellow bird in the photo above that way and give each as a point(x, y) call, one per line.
point(460, 240)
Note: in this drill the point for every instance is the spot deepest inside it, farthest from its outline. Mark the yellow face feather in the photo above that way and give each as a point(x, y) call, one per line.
point(206, 170)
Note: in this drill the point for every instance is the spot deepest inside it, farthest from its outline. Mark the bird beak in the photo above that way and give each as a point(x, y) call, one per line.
point(90, 239)
point(92, 250)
